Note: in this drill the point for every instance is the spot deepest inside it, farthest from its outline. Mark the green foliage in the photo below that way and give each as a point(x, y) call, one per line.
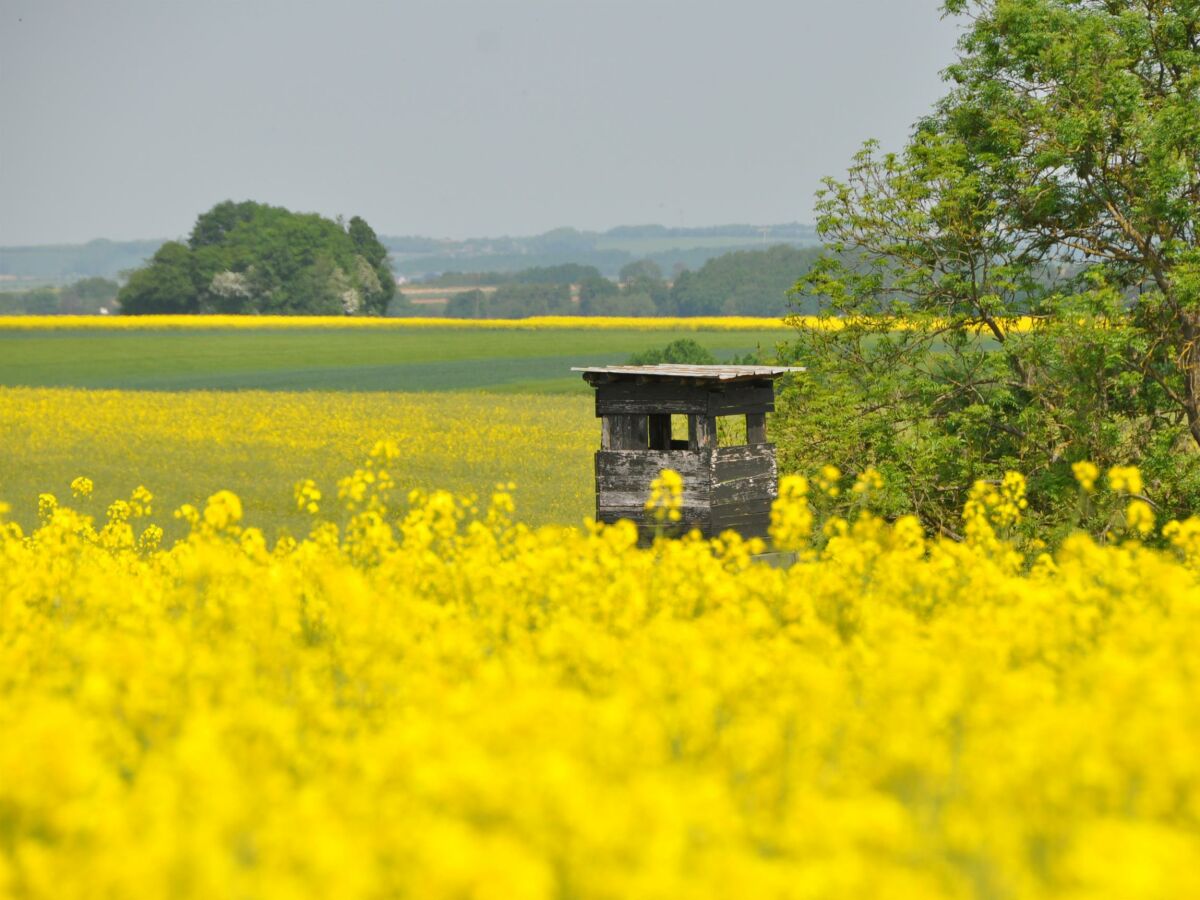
point(512, 301)
point(683, 351)
point(166, 285)
point(629, 301)
point(1060, 177)
point(252, 258)
point(594, 292)
point(88, 295)
point(641, 269)
point(467, 305)
point(517, 301)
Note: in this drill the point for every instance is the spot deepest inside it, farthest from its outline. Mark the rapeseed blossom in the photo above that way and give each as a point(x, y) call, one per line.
point(368, 323)
point(827, 481)
point(533, 323)
point(1086, 474)
point(666, 497)
point(434, 699)
point(1139, 518)
point(1125, 478)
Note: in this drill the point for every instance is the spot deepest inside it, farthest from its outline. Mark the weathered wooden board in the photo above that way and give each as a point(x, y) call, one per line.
point(623, 478)
point(756, 527)
point(647, 464)
point(687, 374)
point(747, 461)
point(695, 498)
point(627, 398)
point(758, 487)
point(743, 398)
point(751, 518)
point(691, 515)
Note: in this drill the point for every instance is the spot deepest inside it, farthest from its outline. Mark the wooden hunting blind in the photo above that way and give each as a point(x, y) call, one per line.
point(723, 487)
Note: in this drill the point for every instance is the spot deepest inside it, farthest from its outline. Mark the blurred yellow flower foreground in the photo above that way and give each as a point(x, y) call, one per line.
point(434, 701)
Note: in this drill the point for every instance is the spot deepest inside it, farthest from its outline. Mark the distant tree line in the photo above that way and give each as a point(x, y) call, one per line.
point(742, 283)
point(67, 262)
point(250, 258)
point(88, 296)
point(608, 251)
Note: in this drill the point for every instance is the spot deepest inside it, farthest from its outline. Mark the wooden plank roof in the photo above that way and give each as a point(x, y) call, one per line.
point(688, 373)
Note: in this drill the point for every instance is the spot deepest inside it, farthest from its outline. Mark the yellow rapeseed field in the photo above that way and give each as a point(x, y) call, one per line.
point(435, 701)
point(187, 445)
point(534, 323)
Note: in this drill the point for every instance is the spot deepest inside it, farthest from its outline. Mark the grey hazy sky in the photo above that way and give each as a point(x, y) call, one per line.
point(448, 118)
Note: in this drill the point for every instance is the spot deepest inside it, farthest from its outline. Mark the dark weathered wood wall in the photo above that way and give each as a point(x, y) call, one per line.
point(725, 487)
point(745, 484)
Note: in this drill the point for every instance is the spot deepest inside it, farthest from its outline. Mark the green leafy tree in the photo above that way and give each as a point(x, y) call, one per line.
point(166, 285)
point(593, 294)
point(519, 301)
point(1060, 177)
point(641, 269)
point(252, 258)
point(684, 351)
point(376, 256)
point(88, 295)
point(467, 305)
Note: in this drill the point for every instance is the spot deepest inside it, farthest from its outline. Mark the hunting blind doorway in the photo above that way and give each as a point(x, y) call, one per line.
point(723, 487)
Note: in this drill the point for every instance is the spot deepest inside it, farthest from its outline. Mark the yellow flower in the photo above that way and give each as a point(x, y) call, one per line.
point(827, 480)
point(868, 480)
point(188, 513)
point(1125, 478)
point(791, 516)
point(81, 487)
point(666, 497)
point(1139, 517)
point(435, 700)
point(1086, 474)
point(223, 510)
point(308, 496)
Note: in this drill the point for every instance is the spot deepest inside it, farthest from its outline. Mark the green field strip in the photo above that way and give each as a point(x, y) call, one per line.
point(330, 360)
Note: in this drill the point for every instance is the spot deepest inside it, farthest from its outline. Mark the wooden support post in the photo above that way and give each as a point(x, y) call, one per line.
point(702, 432)
point(756, 428)
point(660, 432)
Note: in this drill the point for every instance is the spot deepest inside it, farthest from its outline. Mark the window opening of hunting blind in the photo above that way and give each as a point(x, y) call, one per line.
point(663, 431)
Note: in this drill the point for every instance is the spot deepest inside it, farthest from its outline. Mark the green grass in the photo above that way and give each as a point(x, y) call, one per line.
point(295, 360)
